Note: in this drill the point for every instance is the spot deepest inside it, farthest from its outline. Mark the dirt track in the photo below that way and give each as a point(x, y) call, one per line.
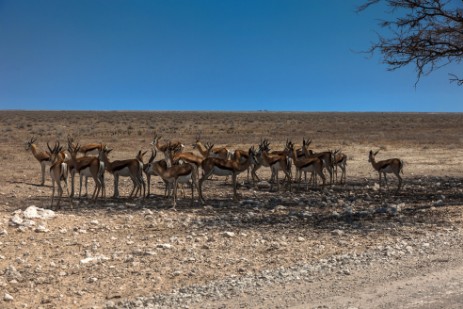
point(352, 245)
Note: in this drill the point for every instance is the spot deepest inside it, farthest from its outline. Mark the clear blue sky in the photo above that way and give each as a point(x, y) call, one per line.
point(278, 55)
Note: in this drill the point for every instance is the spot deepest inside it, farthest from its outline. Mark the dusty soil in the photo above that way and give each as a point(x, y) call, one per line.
point(348, 246)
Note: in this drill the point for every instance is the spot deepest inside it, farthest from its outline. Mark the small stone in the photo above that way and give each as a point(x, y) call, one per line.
point(164, 246)
point(16, 220)
point(42, 229)
point(229, 234)
point(280, 207)
point(8, 297)
point(409, 249)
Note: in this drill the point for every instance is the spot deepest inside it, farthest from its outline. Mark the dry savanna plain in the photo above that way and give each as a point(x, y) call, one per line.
point(352, 245)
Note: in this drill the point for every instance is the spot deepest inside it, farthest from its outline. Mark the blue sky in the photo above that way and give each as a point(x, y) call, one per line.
point(231, 55)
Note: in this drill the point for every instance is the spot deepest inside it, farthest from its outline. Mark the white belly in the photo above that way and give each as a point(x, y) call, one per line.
point(86, 172)
point(221, 172)
point(184, 179)
point(125, 172)
point(387, 169)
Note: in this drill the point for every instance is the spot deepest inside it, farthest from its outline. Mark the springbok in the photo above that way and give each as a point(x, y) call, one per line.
point(88, 167)
point(164, 147)
point(206, 151)
point(276, 162)
point(224, 167)
point(176, 174)
point(132, 168)
point(394, 166)
point(42, 156)
point(58, 173)
point(340, 160)
point(303, 164)
point(151, 170)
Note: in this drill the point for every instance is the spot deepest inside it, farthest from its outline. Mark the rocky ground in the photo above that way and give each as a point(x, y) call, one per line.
point(348, 246)
point(338, 248)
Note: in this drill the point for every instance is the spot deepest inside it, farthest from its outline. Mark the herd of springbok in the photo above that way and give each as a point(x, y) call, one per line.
point(179, 167)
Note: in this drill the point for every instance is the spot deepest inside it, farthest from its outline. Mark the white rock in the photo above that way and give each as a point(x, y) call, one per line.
point(16, 220)
point(33, 212)
point(94, 259)
point(8, 297)
point(164, 246)
point(42, 229)
point(12, 273)
point(228, 234)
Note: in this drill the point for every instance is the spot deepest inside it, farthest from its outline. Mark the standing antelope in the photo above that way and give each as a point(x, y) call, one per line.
point(88, 167)
point(164, 147)
point(242, 155)
point(58, 172)
point(150, 170)
point(394, 166)
point(225, 167)
point(326, 157)
point(206, 151)
point(340, 159)
point(132, 168)
point(42, 156)
point(176, 174)
point(304, 164)
point(86, 149)
point(276, 162)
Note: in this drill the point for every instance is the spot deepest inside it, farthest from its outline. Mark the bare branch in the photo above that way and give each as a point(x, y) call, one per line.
point(427, 34)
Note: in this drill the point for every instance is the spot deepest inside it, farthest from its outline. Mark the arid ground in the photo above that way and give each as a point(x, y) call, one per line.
point(353, 245)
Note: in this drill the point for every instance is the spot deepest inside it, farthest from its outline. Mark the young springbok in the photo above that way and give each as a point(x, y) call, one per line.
point(394, 166)
point(58, 172)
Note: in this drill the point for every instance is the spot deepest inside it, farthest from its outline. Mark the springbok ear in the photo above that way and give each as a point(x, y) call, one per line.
point(376, 152)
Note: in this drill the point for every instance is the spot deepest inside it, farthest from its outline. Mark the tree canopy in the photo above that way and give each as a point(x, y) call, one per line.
point(427, 34)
